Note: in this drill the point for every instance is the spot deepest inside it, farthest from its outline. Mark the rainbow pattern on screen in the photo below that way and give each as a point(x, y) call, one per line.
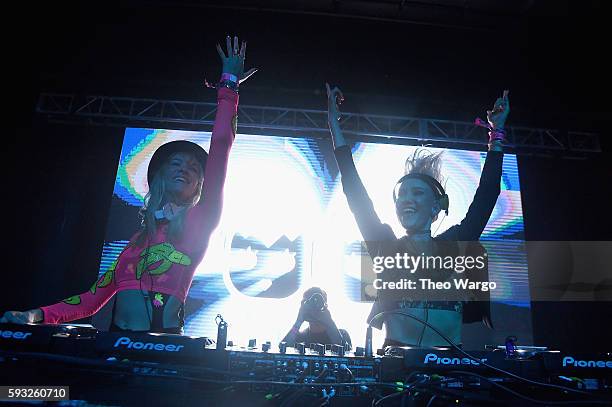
point(286, 226)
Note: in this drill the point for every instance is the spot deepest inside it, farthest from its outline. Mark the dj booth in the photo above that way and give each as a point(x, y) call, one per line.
point(125, 369)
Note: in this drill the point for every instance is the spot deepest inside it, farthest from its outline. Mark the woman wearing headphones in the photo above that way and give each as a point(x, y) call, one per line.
point(152, 276)
point(419, 198)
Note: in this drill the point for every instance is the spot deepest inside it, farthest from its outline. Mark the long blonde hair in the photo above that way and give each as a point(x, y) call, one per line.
point(153, 202)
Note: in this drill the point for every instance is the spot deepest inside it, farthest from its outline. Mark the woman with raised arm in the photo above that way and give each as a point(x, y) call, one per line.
point(152, 276)
point(419, 198)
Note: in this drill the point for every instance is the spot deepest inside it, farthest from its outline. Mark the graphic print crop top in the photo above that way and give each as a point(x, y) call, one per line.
point(160, 265)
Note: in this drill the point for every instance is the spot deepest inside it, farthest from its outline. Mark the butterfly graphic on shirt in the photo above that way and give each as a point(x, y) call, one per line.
point(102, 282)
point(163, 254)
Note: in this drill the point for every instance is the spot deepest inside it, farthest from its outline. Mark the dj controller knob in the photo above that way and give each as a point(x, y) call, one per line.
point(338, 350)
point(282, 347)
point(301, 348)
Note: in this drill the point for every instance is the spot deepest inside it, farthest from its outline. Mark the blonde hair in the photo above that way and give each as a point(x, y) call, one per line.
point(153, 202)
point(425, 162)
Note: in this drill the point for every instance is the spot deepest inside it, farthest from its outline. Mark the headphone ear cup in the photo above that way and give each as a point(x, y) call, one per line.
point(444, 203)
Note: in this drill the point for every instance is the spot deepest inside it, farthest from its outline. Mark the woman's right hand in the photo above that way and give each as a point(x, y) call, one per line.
point(26, 317)
point(334, 100)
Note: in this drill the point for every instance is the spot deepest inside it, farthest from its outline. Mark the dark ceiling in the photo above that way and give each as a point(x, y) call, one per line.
point(444, 58)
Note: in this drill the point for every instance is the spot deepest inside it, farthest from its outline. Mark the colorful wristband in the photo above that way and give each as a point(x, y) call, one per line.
point(498, 134)
point(229, 77)
point(494, 134)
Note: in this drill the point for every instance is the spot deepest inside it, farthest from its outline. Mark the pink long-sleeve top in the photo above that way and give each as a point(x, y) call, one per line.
point(160, 265)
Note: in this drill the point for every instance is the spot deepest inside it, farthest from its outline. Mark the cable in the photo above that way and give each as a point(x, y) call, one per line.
point(474, 358)
point(301, 391)
point(121, 365)
point(126, 366)
point(424, 325)
point(531, 400)
point(439, 224)
point(298, 379)
point(390, 396)
point(345, 368)
point(145, 297)
point(411, 386)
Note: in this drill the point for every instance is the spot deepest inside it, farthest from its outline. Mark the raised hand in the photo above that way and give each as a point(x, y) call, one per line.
point(497, 117)
point(233, 62)
point(334, 100)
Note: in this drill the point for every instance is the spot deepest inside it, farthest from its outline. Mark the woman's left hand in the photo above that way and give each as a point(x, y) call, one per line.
point(233, 62)
point(497, 117)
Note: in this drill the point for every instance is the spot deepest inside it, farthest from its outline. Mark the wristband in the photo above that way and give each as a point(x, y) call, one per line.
point(223, 83)
point(229, 77)
point(494, 134)
point(498, 134)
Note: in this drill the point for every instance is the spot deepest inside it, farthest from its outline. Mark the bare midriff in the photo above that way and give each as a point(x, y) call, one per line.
point(133, 311)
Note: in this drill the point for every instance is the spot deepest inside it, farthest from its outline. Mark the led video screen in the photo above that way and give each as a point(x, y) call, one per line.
point(286, 226)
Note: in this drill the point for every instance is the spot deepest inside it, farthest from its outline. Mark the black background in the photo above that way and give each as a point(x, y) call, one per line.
point(59, 178)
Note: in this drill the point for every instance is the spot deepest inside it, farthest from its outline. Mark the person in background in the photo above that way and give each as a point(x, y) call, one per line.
point(321, 327)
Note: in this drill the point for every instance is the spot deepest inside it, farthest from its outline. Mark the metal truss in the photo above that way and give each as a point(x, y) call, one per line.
point(127, 111)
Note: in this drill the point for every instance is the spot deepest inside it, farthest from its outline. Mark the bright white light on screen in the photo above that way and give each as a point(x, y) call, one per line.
point(281, 187)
